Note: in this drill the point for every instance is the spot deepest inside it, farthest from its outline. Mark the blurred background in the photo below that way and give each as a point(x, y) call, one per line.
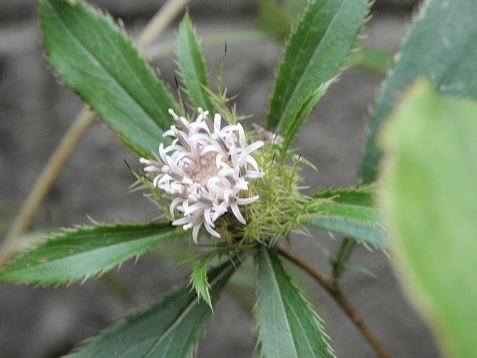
point(36, 111)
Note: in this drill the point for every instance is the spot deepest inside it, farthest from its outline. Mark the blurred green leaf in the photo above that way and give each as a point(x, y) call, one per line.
point(170, 327)
point(315, 53)
point(348, 212)
point(192, 66)
point(372, 59)
point(287, 325)
point(84, 252)
point(96, 59)
point(294, 7)
point(430, 197)
point(274, 20)
point(441, 44)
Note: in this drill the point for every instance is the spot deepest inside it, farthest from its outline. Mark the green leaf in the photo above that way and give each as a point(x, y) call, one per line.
point(95, 58)
point(192, 66)
point(170, 327)
point(81, 253)
point(287, 325)
point(442, 45)
point(199, 279)
point(348, 212)
point(359, 197)
point(430, 197)
point(274, 20)
point(303, 110)
point(374, 60)
point(315, 54)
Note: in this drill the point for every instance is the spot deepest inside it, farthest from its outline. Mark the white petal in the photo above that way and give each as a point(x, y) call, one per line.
point(228, 129)
point(254, 174)
point(241, 185)
point(160, 179)
point(237, 213)
point(210, 148)
point(170, 132)
point(202, 114)
point(197, 208)
point(251, 160)
point(173, 205)
point(254, 146)
point(217, 121)
point(182, 221)
point(162, 153)
point(246, 201)
point(187, 181)
point(228, 195)
point(219, 210)
point(218, 159)
point(195, 232)
point(152, 168)
point(241, 135)
point(208, 218)
point(210, 230)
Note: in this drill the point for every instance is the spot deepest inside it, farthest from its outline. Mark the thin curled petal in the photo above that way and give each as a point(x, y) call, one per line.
point(247, 201)
point(207, 169)
point(195, 232)
point(237, 213)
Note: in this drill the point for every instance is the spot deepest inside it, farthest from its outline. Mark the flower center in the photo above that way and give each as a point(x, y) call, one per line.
point(206, 169)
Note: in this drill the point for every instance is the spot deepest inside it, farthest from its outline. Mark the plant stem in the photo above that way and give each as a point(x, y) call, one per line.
point(347, 247)
point(44, 182)
point(330, 286)
point(159, 22)
point(209, 40)
point(42, 186)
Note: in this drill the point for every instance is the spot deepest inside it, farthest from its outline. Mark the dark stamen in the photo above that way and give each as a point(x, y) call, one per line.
point(183, 141)
point(231, 179)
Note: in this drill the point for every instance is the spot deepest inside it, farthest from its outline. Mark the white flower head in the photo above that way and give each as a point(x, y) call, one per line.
point(207, 169)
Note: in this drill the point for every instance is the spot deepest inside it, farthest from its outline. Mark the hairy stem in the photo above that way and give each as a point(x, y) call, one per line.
point(42, 186)
point(329, 284)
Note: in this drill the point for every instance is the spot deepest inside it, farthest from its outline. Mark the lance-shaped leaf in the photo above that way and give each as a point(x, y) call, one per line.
point(430, 199)
point(199, 278)
point(442, 45)
point(315, 53)
point(96, 59)
point(302, 112)
point(78, 254)
point(348, 212)
point(170, 327)
point(192, 66)
point(287, 325)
